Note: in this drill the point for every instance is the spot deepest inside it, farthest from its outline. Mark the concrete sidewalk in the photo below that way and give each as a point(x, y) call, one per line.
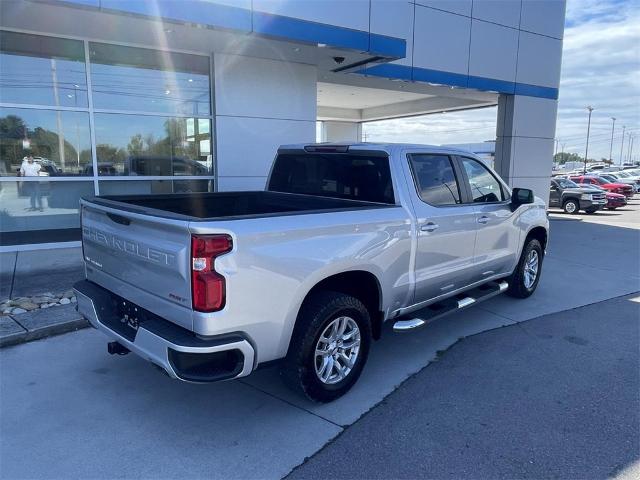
point(27, 273)
point(30, 273)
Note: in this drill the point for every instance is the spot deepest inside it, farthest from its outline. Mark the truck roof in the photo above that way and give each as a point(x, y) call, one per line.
point(381, 146)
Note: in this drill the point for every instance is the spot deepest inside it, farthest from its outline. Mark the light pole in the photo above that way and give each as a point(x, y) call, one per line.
point(622, 144)
point(631, 137)
point(611, 147)
point(586, 150)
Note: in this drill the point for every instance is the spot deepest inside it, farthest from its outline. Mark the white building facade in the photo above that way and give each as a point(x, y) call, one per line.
point(157, 96)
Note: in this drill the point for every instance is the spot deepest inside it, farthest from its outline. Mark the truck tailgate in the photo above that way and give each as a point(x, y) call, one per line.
point(146, 252)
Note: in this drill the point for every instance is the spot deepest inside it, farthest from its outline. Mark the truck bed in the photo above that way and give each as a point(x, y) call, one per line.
point(229, 205)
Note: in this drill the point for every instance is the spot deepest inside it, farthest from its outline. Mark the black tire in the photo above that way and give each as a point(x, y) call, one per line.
point(517, 287)
point(571, 206)
point(611, 208)
point(318, 311)
point(591, 210)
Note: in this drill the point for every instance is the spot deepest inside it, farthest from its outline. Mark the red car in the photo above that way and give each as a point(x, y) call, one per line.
point(621, 188)
point(615, 200)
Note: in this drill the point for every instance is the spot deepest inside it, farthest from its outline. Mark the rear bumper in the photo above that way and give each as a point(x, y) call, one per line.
point(176, 350)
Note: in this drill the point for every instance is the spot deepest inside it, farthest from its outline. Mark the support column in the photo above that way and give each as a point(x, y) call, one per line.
point(524, 143)
point(260, 104)
point(341, 131)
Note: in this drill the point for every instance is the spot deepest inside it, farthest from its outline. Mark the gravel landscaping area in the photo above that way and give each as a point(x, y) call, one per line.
point(16, 306)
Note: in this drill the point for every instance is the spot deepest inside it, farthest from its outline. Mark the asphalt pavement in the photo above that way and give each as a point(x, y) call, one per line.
point(555, 397)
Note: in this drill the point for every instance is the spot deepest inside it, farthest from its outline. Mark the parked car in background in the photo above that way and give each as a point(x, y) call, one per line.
point(615, 187)
point(614, 200)
point(47, 167)
point(623, 177)
point(572, 198)
point(104, 168)
point(596, 167)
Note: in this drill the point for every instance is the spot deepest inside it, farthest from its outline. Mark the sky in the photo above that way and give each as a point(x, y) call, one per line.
point(600, 67)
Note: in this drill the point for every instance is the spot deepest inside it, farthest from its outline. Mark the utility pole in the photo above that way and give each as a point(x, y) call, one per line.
point(611, 147)
point(631, 137)
point(622, 144)
point(586, 150)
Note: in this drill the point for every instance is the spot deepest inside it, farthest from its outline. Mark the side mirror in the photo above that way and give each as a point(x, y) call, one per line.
point(521, 196)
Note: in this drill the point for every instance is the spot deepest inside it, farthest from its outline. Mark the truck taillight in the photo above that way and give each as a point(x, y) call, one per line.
point(207, 285)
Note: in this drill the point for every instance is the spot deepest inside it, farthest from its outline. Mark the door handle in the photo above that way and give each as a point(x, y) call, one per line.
point(483, 219)
point(429, 227)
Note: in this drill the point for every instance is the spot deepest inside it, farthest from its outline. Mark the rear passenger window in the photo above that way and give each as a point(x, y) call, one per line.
point(485, 188)
point(435, 179)
point(350, 176)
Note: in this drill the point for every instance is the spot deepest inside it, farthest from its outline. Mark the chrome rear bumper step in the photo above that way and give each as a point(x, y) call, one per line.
point(438, 310)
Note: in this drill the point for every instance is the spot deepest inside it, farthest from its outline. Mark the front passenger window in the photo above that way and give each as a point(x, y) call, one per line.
point(485, 188)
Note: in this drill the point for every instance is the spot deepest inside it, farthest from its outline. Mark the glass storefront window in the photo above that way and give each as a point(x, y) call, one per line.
point(149, 145)
point(147, 187)
point(28, 205)
point(151, 116)
point(143, 80)
point(59, 141)
point(41, 70)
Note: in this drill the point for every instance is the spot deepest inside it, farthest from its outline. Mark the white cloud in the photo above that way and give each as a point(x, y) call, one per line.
point(601, 67)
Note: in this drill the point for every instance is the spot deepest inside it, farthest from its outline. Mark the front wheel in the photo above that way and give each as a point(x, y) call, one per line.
point(524, 279)
point(329, 346)
point(591, 210)
point(571, 206)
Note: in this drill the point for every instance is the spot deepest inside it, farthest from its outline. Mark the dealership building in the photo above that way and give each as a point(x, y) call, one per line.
point(157, 96)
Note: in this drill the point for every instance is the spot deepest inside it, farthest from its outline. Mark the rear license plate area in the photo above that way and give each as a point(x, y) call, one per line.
point(128, 318)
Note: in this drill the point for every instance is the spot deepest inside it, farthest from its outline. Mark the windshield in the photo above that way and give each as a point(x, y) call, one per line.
point(564, 183)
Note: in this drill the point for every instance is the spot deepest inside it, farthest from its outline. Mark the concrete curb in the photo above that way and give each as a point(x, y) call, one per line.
point(38, 324)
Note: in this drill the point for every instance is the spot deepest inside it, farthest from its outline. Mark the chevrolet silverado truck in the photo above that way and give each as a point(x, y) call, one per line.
point(572, 197)
point(210, 286)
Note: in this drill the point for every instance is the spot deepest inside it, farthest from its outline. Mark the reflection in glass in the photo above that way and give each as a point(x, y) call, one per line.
point(147, 187)
point(58, 140)
point(58, 204)
point(42, 70)
point(146, 145)
point(139, 79)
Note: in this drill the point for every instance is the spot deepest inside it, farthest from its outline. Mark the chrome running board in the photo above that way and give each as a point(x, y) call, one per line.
point(438, 310)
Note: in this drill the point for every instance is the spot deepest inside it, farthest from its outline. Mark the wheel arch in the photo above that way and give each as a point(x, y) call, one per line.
point(361, 284)
point(571, 197)
point(540, 233)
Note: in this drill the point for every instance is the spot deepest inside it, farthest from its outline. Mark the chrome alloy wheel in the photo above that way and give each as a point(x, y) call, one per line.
point(571, 207)
point(531, 265)
point(337, 350)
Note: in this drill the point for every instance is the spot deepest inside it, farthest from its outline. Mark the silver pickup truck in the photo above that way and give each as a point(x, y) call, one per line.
point(209, 286)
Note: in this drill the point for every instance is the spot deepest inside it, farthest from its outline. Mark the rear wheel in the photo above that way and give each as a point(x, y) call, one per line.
point(571, 206)
point(329, 346)
point(524, 279)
